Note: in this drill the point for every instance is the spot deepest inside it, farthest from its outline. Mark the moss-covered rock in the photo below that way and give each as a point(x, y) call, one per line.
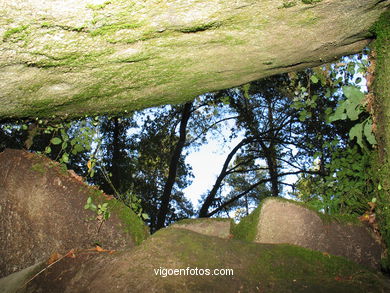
point(179, 260)
point(246, 229)
point(96, 56)
point(381, 112)
point(284, 221)
point(219, 227)
point(42, 212)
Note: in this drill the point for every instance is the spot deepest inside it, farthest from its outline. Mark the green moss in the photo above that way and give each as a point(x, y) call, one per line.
point(381, 86)
point(200, 27)
point(133, 59)
point(74, 59)
point(310, 1)
point(288, 4)
point(132, 224)
point(98, 6)
point(247, 228)
point(109, 29)
point(307, 18)
point(39, 167)
point(270, 268)
point(15, 34)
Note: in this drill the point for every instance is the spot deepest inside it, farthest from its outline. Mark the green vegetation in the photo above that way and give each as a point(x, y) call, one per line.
point(381, 168)
point(310, 1)
point(280, 268)
point(15, 34)
point(247, 228)
point(288, 4)
point(109, 29)
point(38, 167)
point(101, 209)
point(98, 6)
point(131, 223)
point(200, 27)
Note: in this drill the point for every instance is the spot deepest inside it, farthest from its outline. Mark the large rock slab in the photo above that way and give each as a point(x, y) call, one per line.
point(218, 227)
point(283, 221)
point(179, 260)
point(42, 212)
point(77, 57)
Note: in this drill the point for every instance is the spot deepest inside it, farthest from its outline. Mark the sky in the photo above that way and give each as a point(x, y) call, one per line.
point(206, 164)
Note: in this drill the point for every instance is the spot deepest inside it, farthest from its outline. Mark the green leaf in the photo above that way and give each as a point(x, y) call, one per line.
point(352, 112)
point(339, 114)
point(317, 155)
point(303, 115)
point(89, 200)
point(353, 94)
point(145, 216)
point(56, 140)
point(357, 131)
point(225, 100)
point(47, 150)
point(353, 103)
point(314, 79)
point(368, 132)
point(65, 158)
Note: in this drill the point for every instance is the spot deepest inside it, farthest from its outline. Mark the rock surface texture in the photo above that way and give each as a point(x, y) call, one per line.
point(42, 212)
point(77, 57)
point(287, 222)
point(211, 227)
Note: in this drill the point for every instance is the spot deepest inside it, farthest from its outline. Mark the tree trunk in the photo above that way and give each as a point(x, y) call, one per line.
point(116, 156)
point(166, 196)
point(271, 151)
point(203, 212)
point(75, 57)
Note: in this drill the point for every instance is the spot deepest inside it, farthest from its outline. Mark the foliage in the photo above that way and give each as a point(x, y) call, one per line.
point(101, 209)
point(381, 168)
point(135, 203)
point(346, 188)
point(344, 183)
point(351, 108)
